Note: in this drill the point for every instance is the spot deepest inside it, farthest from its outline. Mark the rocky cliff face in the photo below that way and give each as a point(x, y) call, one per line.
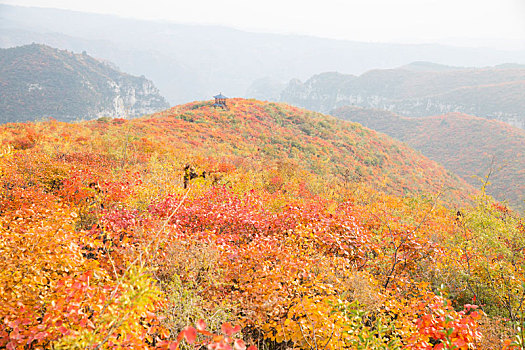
point(40, 82)
point(133, 97)
point(494, 93)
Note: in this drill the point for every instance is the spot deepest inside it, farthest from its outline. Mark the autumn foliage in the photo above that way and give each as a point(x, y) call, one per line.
point(469, 146)
point(102, 247)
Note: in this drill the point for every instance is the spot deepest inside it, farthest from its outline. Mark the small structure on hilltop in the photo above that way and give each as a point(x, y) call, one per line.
point(220, 101)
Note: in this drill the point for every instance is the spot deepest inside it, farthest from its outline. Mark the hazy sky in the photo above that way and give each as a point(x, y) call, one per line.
point(465, 22)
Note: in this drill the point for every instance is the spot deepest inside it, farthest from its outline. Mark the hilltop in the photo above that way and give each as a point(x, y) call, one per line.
point(251, 133)
point(419, 89)
point(39, 81)
point(469, 146)
point(321, 144)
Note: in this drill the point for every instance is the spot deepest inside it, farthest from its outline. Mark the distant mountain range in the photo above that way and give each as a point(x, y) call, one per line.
point(38, 81)
point(419, 89)
point(194, 62)
point(469, 146)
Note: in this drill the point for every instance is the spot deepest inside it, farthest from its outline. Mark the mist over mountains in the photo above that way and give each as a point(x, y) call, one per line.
point(418, 89)
point(38, 81)
point(193, 62)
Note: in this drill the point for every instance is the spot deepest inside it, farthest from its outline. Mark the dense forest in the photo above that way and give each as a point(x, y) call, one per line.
point(262, 225)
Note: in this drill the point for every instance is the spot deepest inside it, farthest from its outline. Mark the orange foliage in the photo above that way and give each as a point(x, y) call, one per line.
point(91, 227)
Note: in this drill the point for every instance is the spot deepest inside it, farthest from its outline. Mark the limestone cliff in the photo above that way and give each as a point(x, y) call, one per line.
point(492, 93)
point(38, 81)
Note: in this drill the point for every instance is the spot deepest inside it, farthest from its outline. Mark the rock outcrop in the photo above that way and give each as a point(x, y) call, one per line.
point(39, 81)
point(492, 93)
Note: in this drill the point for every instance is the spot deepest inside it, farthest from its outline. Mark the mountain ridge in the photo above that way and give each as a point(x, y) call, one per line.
point(320, 143)
point(191, 62)
point(40, 81)
point(490, 92)
point(252, 132)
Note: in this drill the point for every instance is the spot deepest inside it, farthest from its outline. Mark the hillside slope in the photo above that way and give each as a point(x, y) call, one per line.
point(39, 81)
point(121, 233)
point(419, 90)
point(261, 132)
point(252, 134)
point(469, 146)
